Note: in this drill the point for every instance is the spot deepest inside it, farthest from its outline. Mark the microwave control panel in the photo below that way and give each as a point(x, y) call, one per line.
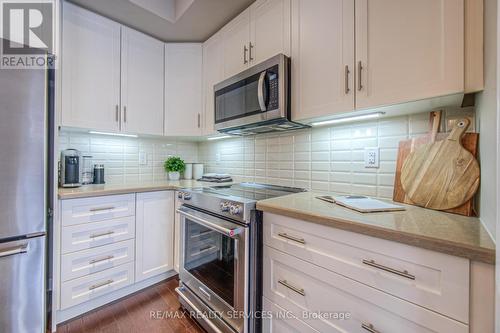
point(272, 77)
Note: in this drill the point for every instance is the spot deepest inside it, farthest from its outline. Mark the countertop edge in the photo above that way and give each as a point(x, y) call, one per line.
point(451, 248)
point(100, 193)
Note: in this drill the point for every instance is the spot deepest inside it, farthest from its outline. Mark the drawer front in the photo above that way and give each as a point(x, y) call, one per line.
point(77, 211)
point(88, 287)
point(90, 235)
point(277, 320)
point(433, 280)
point(86, 262)
point(299, 286)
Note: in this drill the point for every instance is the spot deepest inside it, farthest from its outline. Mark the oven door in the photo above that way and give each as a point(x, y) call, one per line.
point(214, 262)
point(258, 94)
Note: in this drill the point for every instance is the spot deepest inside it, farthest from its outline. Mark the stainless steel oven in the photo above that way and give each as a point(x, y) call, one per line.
point(256, 100)
point(214, 266)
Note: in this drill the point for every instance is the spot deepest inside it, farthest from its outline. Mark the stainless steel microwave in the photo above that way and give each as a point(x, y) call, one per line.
point(256, 100)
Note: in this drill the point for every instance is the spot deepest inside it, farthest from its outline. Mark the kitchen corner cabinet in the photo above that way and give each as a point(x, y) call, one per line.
point(112, 76)
point(358, 54)
point(183, 89)
point(90, 70)
point(141, 83)
point(154, 234)
point(213, 73)
point(258, 33)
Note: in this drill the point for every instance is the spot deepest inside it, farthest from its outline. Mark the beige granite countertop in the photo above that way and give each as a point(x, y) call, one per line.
point(443, 232)
point(86, 191)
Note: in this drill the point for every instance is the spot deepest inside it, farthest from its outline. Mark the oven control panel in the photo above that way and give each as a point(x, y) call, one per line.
point(231, 207)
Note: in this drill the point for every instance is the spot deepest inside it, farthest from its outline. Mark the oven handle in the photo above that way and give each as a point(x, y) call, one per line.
point(229, 232)
point(260, 93)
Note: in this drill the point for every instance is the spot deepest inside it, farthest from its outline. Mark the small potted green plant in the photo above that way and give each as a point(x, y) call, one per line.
point(174, 166)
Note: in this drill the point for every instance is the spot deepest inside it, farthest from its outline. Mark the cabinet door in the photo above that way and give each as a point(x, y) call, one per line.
point(269, 29)
point(142, 83)
point(183, 82)
point(236, 44)
point(154, 234)
point(408, 50)
point(322, 58)
point(213, 73)
point(90, 70)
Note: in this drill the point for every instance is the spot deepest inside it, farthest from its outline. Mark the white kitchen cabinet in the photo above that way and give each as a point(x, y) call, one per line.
point(90, 70)
point(154, 234)
point(213, 73)
point(322, 58)
point(269, 29)
point(142, 84)
point(236, 36)
point(408, 50)
point(183, 89)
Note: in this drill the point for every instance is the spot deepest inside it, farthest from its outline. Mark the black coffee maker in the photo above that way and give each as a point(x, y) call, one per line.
point(71, 168)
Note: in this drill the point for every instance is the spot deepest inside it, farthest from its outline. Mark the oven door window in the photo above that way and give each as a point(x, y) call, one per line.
point(238, 100)
point(210, 258)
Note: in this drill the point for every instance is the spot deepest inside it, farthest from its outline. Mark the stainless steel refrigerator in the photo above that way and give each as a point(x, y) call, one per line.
point(24, 189)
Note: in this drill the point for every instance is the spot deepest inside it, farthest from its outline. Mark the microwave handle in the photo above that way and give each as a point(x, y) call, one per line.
point(260, 92)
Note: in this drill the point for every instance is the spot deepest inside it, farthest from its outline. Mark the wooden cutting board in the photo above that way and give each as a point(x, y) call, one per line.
point(442, 174)
point(469, 142)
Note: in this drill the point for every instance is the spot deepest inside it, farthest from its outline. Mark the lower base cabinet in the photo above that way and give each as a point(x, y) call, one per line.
point(154, 234)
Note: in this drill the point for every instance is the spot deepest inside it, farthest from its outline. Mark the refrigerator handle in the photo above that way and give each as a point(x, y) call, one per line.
point(16, 250)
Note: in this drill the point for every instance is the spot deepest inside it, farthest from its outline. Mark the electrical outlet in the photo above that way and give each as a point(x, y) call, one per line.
point(143, 158)
point(372, 157)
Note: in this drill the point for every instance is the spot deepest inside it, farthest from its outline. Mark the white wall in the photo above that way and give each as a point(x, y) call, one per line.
point(487, 121)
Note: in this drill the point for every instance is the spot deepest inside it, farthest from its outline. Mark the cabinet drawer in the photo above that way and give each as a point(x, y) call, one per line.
point(86, 262)
point(77, 211)
point(276, 320)
point(88, 287)
point(89, 235)
point(299, 286)
point(437, 281)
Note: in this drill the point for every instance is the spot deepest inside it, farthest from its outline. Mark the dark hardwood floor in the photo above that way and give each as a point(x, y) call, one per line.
point(133, 314)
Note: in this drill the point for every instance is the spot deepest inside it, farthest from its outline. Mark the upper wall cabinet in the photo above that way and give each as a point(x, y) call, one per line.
point(142, 83)
point(322, 57)
point(99, 93)
point(183, 89)
point(213, 73)
point(90, 70)
point(408, 50)
point(258, 33)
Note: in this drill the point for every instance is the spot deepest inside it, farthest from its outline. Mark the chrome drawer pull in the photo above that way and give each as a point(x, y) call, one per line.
point(94, 261)
point(102, 284)
point(299, 291)
point(388, 269)
point(16, 250)
point(369, 328)
point(292, 238)
point(100, 209)
point(102, 234)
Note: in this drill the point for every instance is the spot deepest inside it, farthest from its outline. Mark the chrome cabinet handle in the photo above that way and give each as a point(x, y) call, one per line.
point(299, 291)
point(102, 284)
point(250, 51)
point(124, 113)
point(404, 274)
point(100, 209)
point(199, 120)
point(94, 261)
point(369, 327)
point(260, 92)
point(360, 69)
point(346, 83)
point(102, 234)
point(292, 238)
point(15, 250)
point(245, 50)
point(117, 113)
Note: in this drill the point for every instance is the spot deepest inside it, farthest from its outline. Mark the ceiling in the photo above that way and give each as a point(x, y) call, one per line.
point(170, 20)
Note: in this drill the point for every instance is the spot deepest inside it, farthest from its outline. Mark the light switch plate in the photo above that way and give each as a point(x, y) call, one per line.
point(372, 157)
point(143, 158)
